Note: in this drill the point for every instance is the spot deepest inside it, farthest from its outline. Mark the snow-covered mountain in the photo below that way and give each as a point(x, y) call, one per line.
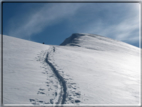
point(85, 69)
point(96, 42)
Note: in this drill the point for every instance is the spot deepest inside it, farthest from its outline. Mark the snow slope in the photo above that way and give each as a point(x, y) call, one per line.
point(27, 78)
point(96, 42)
point(86, 69)
point(107, 71)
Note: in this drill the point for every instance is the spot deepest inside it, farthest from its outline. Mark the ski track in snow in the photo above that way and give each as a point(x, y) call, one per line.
point(50, 94)
point(69, 90)
point(60, 87)
point(63, 92)
point(56, 90)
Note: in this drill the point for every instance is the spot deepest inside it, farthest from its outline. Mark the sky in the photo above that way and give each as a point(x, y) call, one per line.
point(52, 23)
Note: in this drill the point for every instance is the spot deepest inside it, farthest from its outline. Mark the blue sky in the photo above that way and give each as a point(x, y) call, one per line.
point(53, 22)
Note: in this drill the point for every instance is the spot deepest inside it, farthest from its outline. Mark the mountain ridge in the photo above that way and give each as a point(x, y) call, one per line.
point(97, 42)
point(77, 35)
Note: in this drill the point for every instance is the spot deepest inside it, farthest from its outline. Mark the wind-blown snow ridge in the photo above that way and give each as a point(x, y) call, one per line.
point(62, 97)
point(75, 38)
point(97, 42)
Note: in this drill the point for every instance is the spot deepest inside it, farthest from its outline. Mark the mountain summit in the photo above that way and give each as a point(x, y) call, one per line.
point(96, 42)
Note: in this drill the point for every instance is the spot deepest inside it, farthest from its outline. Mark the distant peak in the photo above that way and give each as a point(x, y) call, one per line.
point(97, 42)
point(78, 34)
point(81, 34)
point(85, 34)
point(73, 39)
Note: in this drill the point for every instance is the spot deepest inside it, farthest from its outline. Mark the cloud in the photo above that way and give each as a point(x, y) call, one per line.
point(35, 22)
point(119, 21)
point(123, 26)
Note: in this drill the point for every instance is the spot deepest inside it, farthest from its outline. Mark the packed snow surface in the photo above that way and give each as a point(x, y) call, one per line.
point(86, 69)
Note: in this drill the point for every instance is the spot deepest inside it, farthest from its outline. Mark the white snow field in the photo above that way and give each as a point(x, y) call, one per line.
point(26, 78)
point(85, 69)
